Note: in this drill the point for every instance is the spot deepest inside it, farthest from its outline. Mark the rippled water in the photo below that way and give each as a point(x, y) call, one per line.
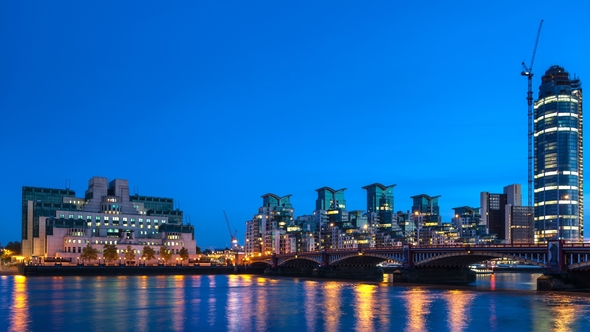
point(501, 302)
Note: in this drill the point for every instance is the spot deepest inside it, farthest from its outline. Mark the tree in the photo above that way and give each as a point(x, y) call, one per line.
point(129, 254)
point(11, 249)
point(165, 253)
point(89, 253)
point(183, 253)
point(148, 253)
point(15, 247)
point(6, 255)
point(198, 250)
point(110, 252)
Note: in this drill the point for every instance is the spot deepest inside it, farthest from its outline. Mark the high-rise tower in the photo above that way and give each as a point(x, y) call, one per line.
point(558, 154)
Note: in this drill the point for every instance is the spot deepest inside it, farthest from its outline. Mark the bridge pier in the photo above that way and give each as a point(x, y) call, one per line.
point(570, 280)
point(351, 272)
point(435, 275)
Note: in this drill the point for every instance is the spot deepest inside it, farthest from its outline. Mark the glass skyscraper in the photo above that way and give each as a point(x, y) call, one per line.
point(558, 154)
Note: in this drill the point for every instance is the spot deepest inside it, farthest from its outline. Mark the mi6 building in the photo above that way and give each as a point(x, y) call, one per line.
point(56, 223)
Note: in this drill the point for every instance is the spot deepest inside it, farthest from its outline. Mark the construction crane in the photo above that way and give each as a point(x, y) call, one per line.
point(528, 72)
point(234, 240)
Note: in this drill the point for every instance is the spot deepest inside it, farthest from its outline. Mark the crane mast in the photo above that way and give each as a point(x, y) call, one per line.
point(234, 241)
point(528, 72)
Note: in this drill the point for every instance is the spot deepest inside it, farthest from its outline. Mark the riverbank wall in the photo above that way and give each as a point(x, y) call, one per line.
point(135, 270)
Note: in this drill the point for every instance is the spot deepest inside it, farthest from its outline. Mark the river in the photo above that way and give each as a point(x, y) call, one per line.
point(499, 302)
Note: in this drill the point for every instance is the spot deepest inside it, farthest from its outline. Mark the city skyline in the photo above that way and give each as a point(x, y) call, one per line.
point(218, 104)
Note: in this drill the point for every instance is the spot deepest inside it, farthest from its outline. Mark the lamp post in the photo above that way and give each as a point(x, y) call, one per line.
point(459, 225)
point(418, 221)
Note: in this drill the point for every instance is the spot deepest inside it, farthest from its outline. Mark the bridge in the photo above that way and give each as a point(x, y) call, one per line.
point(562, 257)
point(556, 257)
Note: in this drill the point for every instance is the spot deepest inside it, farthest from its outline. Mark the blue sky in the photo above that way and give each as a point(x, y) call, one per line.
point(217, 103)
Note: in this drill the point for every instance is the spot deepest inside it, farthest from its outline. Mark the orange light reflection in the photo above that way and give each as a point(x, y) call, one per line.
point(19, 310)
point(364, 307)
point(311, 295)
point(458, 302)
point(418, 306)
point(332, 306)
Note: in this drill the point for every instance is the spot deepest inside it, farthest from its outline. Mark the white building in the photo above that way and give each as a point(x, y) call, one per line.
point(58, 224)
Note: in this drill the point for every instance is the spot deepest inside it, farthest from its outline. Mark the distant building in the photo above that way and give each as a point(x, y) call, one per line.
point(558, 155)
point(266, 233)
point(56, 223)
point(504, 215)
point(467, 221)
point(521, 227)
point(493, 213)
point(333, 220)
point(426, 215)
point(380, 213)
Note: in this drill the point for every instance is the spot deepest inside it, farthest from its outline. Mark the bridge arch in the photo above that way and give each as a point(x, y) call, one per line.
point(368, 258)
point(579, 266)
point(261, 264)
point(300, 261)
point(466, 259)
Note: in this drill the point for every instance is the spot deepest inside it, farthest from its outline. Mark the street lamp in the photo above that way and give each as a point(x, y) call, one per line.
point(418, 222)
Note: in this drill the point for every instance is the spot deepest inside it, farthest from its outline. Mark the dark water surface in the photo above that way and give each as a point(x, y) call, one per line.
point(500, 302)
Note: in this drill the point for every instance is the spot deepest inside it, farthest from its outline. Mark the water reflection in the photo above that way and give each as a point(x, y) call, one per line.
point(233, 307)
point(364, 307)
point(19, 311)
point(310, 296)
point(195, 299)
point(417, 303)
point(458, 304)
point(143, 303)
point(252, 303)
point(177, 302)
point(383, 310)
point(332, 306)
point(493, 318)
point(564, 310)
point(57, 302)
point(211, 303)
point(261, 304)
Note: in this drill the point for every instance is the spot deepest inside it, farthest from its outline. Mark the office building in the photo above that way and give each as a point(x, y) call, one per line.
point(505, 217)
point(56, 223)
point(558, 157)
